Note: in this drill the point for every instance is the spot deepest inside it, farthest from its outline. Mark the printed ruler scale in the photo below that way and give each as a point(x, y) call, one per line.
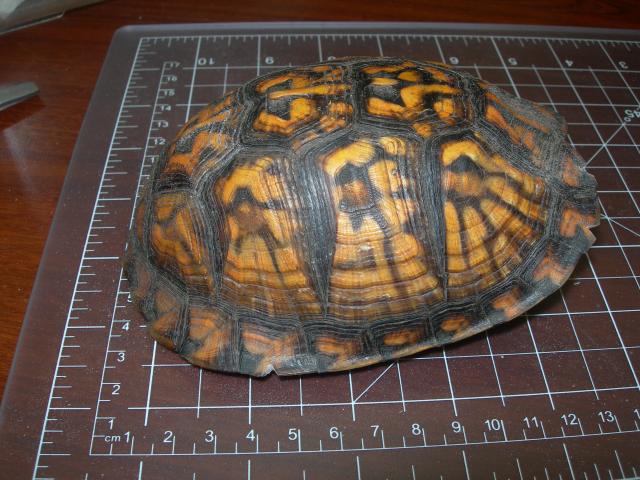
point(553, 395)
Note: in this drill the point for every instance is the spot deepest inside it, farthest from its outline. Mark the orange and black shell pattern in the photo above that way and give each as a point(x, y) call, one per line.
point(331, 216)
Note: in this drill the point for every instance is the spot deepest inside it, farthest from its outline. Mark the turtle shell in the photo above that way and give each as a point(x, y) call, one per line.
point(331, 216)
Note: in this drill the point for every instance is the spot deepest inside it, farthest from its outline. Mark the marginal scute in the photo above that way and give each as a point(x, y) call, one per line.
point(209, 333)
point(455, 323)
point(339, 349)
point(509, 302)
point(141, 287)
point(335, 215)
point(403, 337)
point(270, 353)
point(570, 172)
point(570, 222)
point(550, 269)
point(167, 311)
point(139, 219)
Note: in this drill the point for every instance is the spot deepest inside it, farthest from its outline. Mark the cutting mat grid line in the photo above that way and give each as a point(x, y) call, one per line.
point(567, 372)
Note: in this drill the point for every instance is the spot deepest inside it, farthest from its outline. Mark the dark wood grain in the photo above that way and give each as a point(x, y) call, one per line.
point(64, 57)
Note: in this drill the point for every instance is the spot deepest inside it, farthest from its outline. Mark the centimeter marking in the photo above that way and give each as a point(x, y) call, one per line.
point(83, 264)
point(362, 448)
point(128, 102)
point(101, 196)
point(520, 38)
point(120, 278)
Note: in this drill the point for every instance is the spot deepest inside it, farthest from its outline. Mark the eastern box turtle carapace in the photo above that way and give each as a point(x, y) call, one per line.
point(335, 215)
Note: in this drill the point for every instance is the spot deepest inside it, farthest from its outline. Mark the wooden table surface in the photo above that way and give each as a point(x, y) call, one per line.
point(64, 57)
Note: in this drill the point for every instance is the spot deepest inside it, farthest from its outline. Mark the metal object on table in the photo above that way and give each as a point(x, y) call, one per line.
point(553, 394)
point(16, 93)
point(17, 14)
